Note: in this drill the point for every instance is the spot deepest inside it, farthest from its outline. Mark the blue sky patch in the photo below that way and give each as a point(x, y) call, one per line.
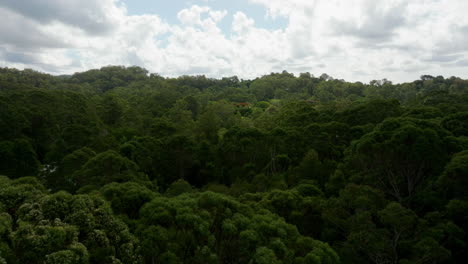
point(167, 11)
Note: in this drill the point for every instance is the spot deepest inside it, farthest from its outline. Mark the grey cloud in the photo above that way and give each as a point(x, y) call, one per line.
point(279, 68)
point(87, 15)
point(194, 70)
point(32, 60)
point(134, 59)
point(443, 58)
point(460, 63)
point(55, 69)
point(23, 33)
point(361, 73)
point(378, 26)
point(391, 69)
point(406, 66)
point(18, 57)
point(408, 48)
point(416, 68)
point(456, 44)
point(298, 65)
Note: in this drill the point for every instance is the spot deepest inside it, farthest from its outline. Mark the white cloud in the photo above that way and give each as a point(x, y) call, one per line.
point(192, 16)
point(241, 23)
point(391, 39)
point(353, 39)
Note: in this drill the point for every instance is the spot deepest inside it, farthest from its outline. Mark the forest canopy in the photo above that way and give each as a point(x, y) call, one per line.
point(117, 165)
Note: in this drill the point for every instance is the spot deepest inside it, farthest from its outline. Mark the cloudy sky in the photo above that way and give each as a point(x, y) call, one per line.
point(355, 40)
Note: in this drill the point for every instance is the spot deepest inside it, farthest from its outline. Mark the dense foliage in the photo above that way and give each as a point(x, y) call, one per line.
point(120, 166)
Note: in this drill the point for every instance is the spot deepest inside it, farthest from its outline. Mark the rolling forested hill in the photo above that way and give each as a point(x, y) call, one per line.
point(117, 165)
